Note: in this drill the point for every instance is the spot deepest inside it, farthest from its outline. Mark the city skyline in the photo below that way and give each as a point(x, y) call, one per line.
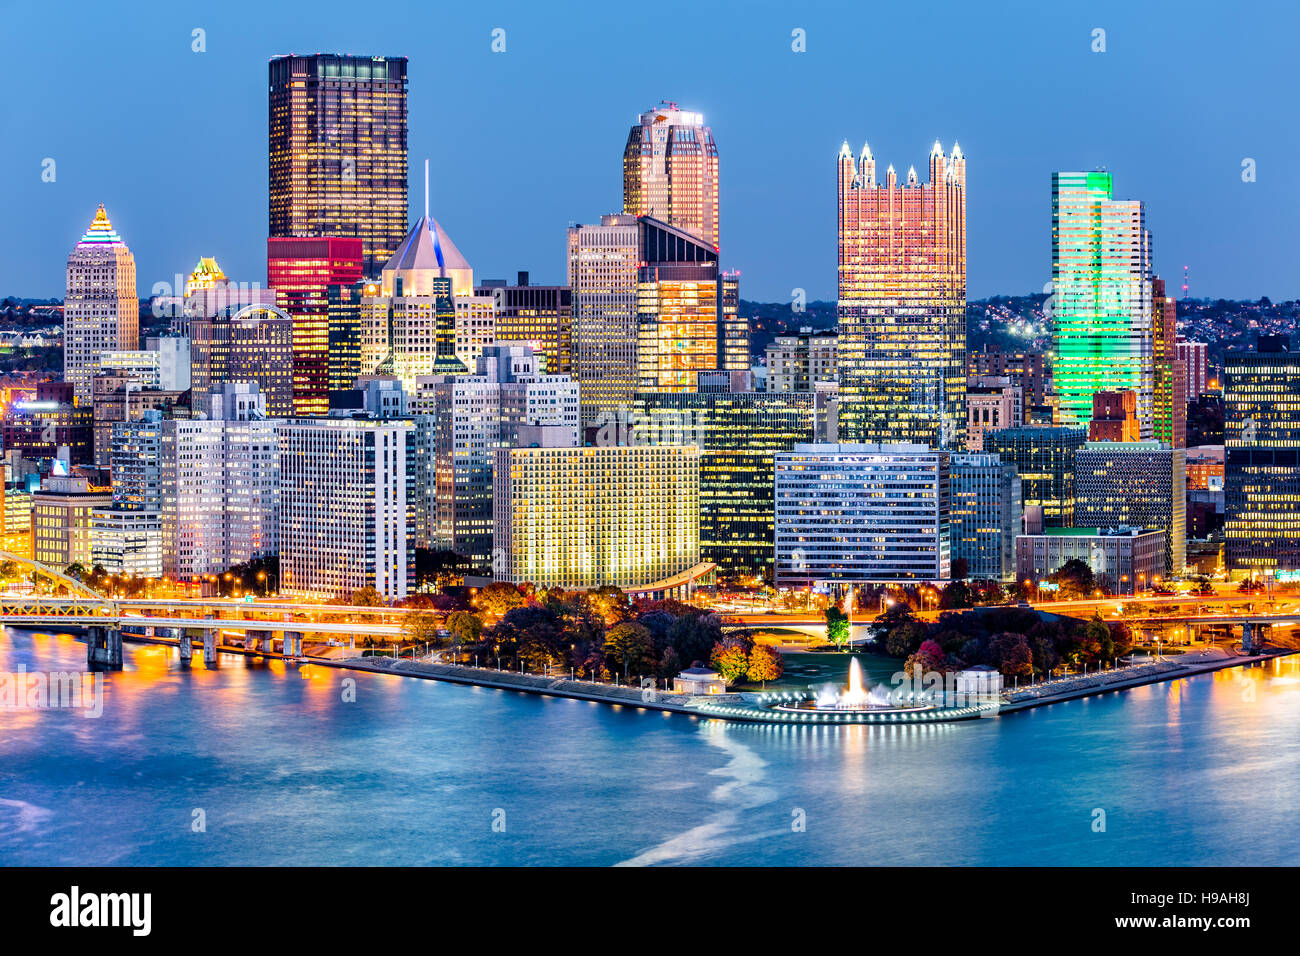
point(774, 135)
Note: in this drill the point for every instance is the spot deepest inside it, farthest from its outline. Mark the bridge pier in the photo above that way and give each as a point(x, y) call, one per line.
point(103, 648)
point(292, 644)
point(185, 644)
point(210, 646)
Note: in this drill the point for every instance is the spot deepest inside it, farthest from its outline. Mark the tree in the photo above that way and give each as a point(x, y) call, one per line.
point(960, 569)
point(730, 661)
point(765, 664)
point(928, 657)
point(837, 626)
point(367, 596)
point(956, 594)
point(465, 628)
point(1073, 579)
point(1011, 651)
point(905, 639)
point(422, 628)
point(629, 645)
point(76, 570)
point(500, 597)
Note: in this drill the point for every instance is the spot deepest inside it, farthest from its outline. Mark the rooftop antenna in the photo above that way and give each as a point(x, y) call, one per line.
point(1184, 282)
point(426, 192)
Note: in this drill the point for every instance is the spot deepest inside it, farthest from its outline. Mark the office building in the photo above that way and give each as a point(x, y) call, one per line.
point(541, 315)
point(602, 273)
point(902, 301)
point(337, 151)
point(992, 402)
point(1123, 560)
point(219, 485)
point(1028, 370)
point(53, 419)
point(733, 337)
point(678, 308)
point(1102, 298)
point(739, 432)
point(985, 515)
point(1137, 484)
point(1044, 460)
point(249, 344)
point(61, 520)
point(670, 171)
point(801, 362)
point(1169, 382)
point(852, 513)
point(583, 518)
point(302, 270)
point(344, 522)
point(1196, 363)
point(1114, 417)
point(100, 311)
point(474, 415)
point(1261, 393)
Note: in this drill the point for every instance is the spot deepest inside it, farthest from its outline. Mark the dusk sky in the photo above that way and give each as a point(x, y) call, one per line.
point(523, 142)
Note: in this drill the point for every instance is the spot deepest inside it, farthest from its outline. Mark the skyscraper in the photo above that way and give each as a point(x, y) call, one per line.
point(250, 344)
point(302, 271)
point(100, 311)
point(1101, 298)
point(1139, 484)
point(1261, 392)
point(678, 302)
point(1169, 381)
point(338, 150)
point(603, 276)
point(902, 301)
point(670, 171)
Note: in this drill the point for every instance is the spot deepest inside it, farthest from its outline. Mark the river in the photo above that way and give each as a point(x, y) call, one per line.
point(259, 762)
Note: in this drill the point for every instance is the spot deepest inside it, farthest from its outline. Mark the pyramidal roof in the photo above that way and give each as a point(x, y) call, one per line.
point(427, 246)
point(101, 231)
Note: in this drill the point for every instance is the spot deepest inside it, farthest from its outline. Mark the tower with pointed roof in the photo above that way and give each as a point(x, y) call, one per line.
point(670, 171)
point(902, 301)
point(101, 312)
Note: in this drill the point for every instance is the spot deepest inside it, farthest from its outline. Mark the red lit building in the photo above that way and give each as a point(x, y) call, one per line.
point(301, 270)
point(1114, 416)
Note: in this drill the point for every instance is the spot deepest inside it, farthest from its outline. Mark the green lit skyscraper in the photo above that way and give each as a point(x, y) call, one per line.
point(1101, 297)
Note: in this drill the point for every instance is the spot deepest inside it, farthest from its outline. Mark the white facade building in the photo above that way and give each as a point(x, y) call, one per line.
point(100, 311)
point(603, 276)
point(861, 512)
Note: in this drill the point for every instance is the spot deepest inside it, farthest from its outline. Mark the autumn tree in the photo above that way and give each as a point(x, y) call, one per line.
point(628, 645)
point(730, 660)
point(500, 597)
point(765, 664)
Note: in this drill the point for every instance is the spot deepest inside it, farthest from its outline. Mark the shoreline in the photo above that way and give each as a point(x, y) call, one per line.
point(698, 706)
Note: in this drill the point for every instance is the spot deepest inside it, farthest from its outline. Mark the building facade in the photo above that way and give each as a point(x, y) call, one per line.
point(902, 301)
point(858, 512)
point(602, 271)
point(249, 344)
point(337, 151)
point(541, 315)
point(344, 521)
point(670, 171)
point(1261, 393)
point(1135, 484)
point(100, 311)
point(1102, 298)
point(799, 363)
point(582, 518)
point(986, 515)
point(1122, 560)
point(1044, 460)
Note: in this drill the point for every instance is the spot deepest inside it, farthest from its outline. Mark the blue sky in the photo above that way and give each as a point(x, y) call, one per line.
point(523, 142)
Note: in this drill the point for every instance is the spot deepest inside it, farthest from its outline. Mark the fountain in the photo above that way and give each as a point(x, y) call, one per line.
point(855, 697)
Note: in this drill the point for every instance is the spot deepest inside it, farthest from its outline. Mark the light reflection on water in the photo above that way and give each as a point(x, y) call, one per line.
point(286, 772)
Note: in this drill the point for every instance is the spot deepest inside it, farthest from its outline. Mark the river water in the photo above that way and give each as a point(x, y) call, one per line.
point(260, 762)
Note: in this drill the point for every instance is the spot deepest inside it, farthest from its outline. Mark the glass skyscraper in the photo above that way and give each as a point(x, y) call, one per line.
point(902, 301)
point(670, 171)
point(337, 150)
point(1101, 298)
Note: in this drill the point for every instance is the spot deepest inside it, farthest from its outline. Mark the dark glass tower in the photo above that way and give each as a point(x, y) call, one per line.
point(337, 150)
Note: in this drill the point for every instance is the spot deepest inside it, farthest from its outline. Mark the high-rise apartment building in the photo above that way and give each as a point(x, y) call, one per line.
point(344, 521)
point(100, 311)
point(1137, 484)
point(602, 271)
point(1102, 298)
point(302, 271)
point(902, 301)
point(1261, 395)
point(862, 512)
point(670, 171)
point(1196, 361)
point(582, 518)
point(337, 151)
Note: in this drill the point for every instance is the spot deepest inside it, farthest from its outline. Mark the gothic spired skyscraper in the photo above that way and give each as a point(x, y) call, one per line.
point(100, 312)
point(1101, 298)
point(902, 301)
point(670, 171)
point(338, 150)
